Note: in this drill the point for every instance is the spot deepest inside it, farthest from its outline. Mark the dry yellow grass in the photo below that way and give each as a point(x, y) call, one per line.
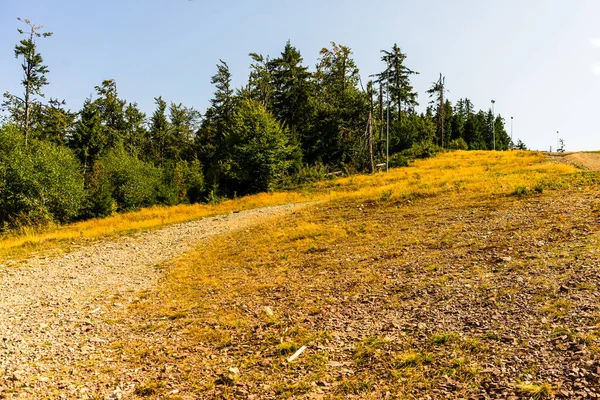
point(365, 281)
point(451, 173)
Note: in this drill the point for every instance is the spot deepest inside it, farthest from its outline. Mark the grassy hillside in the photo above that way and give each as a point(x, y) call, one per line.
point(452, 172)
point(471, 274)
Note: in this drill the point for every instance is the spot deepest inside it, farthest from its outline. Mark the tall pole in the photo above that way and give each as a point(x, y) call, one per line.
point(511, 130)
point(493, 127)
point(387, 141)
point(557, 140)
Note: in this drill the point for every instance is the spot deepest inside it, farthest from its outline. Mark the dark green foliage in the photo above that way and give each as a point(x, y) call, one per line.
point(88, 141)
point(398, 160)
point(182, 182)
point(292, 93)
point(423, 150)
point(458, 144)
point(337, 134)
point(39, 183)
point(260, 153)
point(520, 145)
point(133, 183)
point(287, 126)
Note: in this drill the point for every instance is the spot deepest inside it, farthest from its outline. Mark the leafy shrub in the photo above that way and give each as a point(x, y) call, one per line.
point(304, 175)
point(521, 191)
point(398, 160)
point(131, 182)
point(182, 182)
point(458, 144)
point(259, 153)
point(39, 183)
point(423, 150)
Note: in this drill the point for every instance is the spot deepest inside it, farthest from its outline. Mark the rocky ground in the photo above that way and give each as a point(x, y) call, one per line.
point(426, 299)
point(58, 314)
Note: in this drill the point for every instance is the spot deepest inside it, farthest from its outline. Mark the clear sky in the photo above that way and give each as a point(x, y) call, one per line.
point(540, 60)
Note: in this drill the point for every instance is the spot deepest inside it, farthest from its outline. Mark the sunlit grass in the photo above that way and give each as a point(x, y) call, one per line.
point(312, 270)
point(477, 172)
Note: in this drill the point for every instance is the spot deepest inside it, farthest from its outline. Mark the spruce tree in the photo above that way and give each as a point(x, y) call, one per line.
point(159, 130)
point(34, 76)
point(292, 92)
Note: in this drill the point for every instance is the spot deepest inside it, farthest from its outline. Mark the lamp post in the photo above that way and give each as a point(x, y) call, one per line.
point(493, 127)
point(511, 131)
point(387, 140)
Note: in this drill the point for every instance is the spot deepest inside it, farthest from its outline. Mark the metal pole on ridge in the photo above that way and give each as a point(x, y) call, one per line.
point(387, 142)
point(493, 127)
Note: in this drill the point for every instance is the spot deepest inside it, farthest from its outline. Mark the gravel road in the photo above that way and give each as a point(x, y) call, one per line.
point(55, 312)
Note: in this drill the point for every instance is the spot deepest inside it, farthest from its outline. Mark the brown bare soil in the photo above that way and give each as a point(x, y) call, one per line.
point(586, 161)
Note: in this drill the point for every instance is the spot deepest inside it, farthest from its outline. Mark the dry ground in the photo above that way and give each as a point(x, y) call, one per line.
point(587, 161)
point(394, 299)
point(473, 275)
point(58, 313)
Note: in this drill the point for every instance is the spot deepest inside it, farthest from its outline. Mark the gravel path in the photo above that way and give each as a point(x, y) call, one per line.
point(55, 312)
point(588, 161)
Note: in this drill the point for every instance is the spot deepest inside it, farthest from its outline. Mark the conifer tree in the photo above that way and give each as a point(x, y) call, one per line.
point(260, 80)
point(159, 130)
point(396, 79)
point(292, 92)
point(34, 76)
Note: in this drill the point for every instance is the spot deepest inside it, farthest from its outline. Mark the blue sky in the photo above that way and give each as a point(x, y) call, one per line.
point(540, 60)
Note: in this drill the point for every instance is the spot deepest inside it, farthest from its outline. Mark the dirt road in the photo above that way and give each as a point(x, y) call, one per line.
point(55, 313)
point(587, 161)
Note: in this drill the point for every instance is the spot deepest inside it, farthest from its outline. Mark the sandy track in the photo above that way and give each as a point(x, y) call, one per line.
point(55, 312)
point(588, 161)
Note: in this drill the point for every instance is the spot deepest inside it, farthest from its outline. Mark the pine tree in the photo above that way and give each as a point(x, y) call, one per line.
point(210, 138)
point(159, 130)
point(436, 92)
point(55, 123)
point(396, 79)
point(184, 123)
point(136, 138)
point(34, 76)
point(337, 133)
point(260, 80)
point(88, 141)
point(292, 92)
point(259, 152)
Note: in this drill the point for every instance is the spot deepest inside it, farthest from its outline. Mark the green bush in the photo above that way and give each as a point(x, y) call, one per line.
point(423, 150)
point(183, 182)
point(458, 144)
point(398, 160)
point(131, 182)
point(259, 153)
point(304, 175)
point(39, 183)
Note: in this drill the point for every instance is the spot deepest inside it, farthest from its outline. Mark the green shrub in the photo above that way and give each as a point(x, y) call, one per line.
point(398, 160)
point(39, 183)
point(132, 183)
point(423, 150)
point(304, 175)
point(259, 152)
point(458, 144)
point(182, 182)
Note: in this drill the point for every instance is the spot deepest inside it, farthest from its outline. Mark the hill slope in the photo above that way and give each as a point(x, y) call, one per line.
point(471, 275)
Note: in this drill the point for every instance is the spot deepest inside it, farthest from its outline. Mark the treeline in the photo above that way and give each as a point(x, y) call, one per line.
point(286, 126)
